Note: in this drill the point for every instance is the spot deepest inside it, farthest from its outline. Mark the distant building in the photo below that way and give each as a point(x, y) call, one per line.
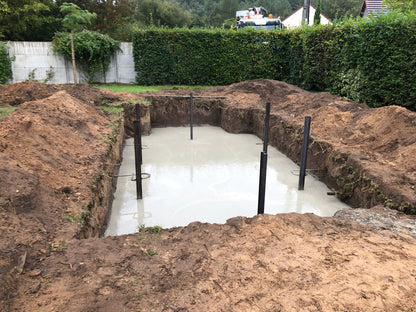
point(295, 19)
point(372, 7)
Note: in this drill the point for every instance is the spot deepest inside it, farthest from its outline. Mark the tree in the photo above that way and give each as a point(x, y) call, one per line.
point(5, 64)
point(30, 20)
point(295, 4)
point(113, 16)
point(337, 9)
point(161, 13)
point(317, 17)
point(405, 6)
point(75, 20)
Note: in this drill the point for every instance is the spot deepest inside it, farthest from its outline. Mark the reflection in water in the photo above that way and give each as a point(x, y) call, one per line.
point(209, 179)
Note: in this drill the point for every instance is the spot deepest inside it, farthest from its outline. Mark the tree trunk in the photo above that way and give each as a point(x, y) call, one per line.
point(73, 57)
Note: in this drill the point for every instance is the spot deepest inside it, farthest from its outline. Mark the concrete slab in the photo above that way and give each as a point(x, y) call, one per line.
point(210, 179)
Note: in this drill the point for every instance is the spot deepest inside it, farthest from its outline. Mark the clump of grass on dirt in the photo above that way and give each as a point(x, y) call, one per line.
point(6, 111)
point(141, 89)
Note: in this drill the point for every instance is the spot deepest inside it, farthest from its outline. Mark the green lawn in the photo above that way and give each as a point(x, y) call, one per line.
point(140, 89)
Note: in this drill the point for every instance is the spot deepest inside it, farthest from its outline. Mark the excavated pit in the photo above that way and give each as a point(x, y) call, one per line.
point(342, 174)
point(156, 206)
point(59, 154)
point(211, 178)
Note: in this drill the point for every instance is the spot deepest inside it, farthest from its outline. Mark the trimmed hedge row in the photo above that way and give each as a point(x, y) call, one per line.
point(5, 64)
point(202, 56)
point(368, 60)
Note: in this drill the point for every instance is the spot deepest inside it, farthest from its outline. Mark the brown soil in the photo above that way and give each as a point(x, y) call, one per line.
point(59, 151)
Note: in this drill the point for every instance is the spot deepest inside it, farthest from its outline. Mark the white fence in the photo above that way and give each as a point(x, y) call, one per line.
point(37, 61)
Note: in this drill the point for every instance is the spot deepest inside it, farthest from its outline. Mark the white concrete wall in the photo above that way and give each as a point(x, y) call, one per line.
point(39, 56)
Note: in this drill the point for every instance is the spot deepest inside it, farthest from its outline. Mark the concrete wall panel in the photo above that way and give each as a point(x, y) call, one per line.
point(39, 58)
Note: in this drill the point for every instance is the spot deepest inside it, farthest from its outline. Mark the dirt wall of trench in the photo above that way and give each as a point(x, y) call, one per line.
point(104, 186)
point(341, 172)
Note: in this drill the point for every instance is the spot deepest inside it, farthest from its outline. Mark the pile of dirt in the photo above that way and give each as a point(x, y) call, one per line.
point(53, 149)
point(267, 263)
point(19, 93)
point(15, 94)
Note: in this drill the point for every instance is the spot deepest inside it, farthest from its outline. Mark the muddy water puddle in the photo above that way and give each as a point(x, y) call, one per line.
point(211, 178)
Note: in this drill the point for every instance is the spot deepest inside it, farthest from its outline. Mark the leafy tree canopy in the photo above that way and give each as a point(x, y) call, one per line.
point(405, 6)
point(40, 19)
point(76, 19)
point(34, 20)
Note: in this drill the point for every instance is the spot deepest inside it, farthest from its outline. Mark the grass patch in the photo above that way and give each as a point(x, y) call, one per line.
point(141, 89)
point(6, 111)
point(111, 109)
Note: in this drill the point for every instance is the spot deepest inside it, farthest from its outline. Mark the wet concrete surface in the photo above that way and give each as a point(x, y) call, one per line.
point(211, 178)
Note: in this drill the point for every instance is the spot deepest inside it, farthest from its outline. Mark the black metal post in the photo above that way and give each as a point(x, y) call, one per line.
point(137, 160)
point(304, 153)
point(262, 182)
point(137, 111)
point(140, 132)
point(192, 115)
point(266, 128)
point(263, 163)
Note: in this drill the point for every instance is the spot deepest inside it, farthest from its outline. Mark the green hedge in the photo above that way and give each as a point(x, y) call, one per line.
point(368, 60)
point(203, 56)
point(374, 61)
point(5, 64)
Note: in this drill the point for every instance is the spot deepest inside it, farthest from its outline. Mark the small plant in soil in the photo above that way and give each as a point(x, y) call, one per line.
point(155, 229)
point(58, 247)
point(149, 252)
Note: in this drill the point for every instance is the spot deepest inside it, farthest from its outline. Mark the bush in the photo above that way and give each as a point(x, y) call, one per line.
point(93, 50)
point(368, 60)
point(5, 64)
point(377, 61)
point(204, 56)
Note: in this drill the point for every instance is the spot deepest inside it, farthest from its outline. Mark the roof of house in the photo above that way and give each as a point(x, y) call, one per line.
point(301, 8)
point(369, 6)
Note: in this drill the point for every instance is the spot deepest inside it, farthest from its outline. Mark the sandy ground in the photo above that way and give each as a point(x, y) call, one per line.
point(52, 152)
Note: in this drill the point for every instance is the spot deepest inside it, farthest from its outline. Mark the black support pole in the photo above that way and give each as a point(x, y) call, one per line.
point(137, 111)
point(266, 128)
point(192, 115)
point(262, 182)
point(137, 160)
point(304, 153)
point(263, 163)
point(140, 132)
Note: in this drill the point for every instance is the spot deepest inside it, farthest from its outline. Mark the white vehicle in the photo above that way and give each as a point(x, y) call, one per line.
point(258, 18)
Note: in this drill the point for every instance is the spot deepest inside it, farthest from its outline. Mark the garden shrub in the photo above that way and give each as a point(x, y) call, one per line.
point(93, 50)
point(204, 56)
point(5, 64)
point(370, 60)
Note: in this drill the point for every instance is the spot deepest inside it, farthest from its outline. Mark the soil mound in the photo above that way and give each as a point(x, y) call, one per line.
point(49, 136)
point(52, 152)
point(18, 93)
point(51, 149)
